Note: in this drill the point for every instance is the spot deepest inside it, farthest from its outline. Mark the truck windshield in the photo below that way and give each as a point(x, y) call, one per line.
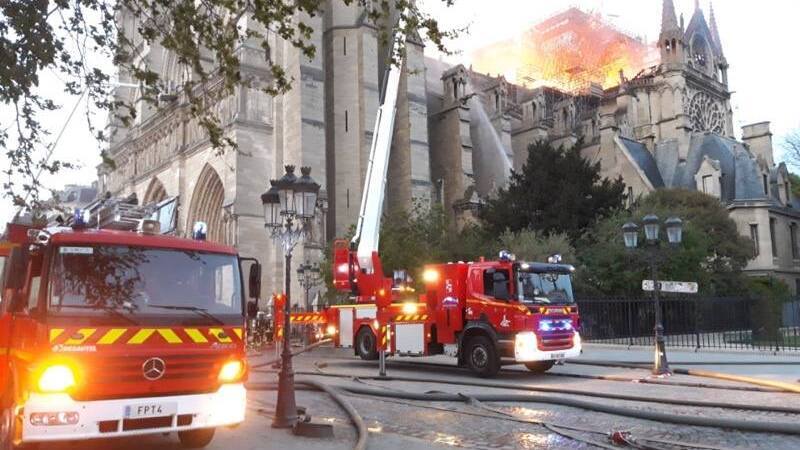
point(544, 288)
point(145, 282)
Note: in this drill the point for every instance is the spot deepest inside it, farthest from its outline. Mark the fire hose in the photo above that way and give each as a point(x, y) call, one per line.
point(612, 377)
point(742, 425)
point(565, 391)
point(616, 437)
point(715, 422)
point(780, 385)
point(299, 352)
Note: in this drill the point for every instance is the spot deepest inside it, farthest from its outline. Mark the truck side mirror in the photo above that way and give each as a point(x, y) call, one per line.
point(254, 283)
point(252, 309)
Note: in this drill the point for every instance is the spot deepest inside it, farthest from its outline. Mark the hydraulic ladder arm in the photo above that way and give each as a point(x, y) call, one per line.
point(357, 267)
point(368, 229)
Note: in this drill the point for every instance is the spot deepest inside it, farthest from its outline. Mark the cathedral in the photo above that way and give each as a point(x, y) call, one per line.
point(458, 135)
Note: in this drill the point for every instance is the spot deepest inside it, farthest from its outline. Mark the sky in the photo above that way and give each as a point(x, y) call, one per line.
point(758, 39)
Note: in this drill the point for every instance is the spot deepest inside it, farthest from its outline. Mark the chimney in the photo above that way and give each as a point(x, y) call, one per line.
point(759, 138)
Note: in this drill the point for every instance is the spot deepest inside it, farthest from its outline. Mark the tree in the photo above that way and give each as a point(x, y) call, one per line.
point(78, 39)
point(712, 253)
point(557, 191)
point(425, 235)
point(530, 245)
point(791, 145)
point(794, 179)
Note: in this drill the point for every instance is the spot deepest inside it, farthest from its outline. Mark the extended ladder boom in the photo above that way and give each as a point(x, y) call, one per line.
point(369, 218)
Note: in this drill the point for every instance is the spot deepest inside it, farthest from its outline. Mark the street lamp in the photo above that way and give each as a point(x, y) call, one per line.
point(289, 207)
point(630, 234)
point(308, 275)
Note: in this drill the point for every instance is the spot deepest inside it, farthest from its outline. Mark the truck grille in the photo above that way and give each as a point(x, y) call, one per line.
point(556, 341)
point(108, 377)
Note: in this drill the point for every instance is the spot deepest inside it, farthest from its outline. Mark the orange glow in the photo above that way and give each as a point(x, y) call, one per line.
point(569, 51)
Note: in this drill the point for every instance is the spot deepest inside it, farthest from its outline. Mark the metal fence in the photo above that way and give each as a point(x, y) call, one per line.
point(694, 322)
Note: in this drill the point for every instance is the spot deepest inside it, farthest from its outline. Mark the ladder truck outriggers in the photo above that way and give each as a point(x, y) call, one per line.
point(485, 313)
point(110, 328)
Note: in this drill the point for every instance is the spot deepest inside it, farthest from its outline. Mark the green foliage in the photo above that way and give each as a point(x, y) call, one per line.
point(425, 235)
point(530, 245)
point(769, 294)
point(76, 40)
point(712, 253)
point(557, 191)
point(794, 179)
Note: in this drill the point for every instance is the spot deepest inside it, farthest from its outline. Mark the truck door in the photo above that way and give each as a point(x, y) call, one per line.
point(11, 282)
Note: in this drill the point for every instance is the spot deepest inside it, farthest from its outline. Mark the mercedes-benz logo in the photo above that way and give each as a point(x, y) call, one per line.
point(154, 368)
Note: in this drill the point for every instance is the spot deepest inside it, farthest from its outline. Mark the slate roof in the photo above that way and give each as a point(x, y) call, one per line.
point(741, 174)
point(644, 160)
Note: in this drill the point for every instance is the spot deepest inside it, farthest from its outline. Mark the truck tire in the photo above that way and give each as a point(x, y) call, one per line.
point(481, 357)
point(8, 424)
point(6, 429)
point(540, 366)
point(196, 438)
point(366, 344)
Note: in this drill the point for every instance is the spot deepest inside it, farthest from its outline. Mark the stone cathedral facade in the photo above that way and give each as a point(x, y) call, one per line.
point(458, 133)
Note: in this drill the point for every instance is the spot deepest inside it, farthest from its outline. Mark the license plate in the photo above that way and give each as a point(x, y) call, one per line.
point(150, 410)
point(559, 355)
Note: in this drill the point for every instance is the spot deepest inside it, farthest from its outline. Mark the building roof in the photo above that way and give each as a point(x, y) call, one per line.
point(644, 160)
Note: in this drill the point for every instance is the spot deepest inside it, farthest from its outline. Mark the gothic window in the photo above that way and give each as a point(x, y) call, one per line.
point(705, 114)
point(699, 52)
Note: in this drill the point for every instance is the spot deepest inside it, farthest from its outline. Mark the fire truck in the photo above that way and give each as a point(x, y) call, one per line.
point(110, 328)
point(484, 313)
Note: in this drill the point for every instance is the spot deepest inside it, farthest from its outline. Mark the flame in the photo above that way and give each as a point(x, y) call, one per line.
point(569, 51)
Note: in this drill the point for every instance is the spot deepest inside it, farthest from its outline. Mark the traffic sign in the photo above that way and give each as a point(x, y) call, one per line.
point(679, 287)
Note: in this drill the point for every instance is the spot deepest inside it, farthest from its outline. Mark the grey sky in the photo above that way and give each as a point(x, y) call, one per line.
point(757, 37)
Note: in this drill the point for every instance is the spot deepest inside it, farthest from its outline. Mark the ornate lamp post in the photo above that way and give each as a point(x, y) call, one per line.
point(309, 276)
point(630, 234)
point(289, 207)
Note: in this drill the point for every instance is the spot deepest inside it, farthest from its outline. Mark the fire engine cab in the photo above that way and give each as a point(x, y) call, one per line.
point(108, 330)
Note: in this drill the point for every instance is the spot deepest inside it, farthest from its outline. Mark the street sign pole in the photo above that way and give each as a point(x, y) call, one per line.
point(660, 364)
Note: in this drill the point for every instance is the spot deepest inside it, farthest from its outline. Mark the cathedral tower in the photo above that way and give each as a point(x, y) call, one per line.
point(670, 41)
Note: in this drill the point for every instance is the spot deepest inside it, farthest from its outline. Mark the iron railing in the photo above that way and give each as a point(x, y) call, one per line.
point(694, 322)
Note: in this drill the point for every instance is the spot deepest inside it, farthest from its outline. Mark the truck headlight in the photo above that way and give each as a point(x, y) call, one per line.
point(331, 330)
point(410, 308)
point(56, 378)
point(231, 371)
point(576, 340)
point(526, 346)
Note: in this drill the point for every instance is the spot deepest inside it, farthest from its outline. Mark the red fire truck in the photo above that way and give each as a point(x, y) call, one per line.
point(484, 313)
point(107, 331)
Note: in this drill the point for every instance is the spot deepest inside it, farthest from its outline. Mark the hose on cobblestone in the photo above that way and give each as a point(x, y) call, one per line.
point(555, 390)
point(716, 422)
point(335, 394)
point(298, 352)
point(780, 385)
point(476, 401)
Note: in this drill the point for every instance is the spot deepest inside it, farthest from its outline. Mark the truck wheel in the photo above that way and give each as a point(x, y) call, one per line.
point(196, 438)
point(540, 366)
point(7, 428)
point(482, 357)
point(366, 344)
